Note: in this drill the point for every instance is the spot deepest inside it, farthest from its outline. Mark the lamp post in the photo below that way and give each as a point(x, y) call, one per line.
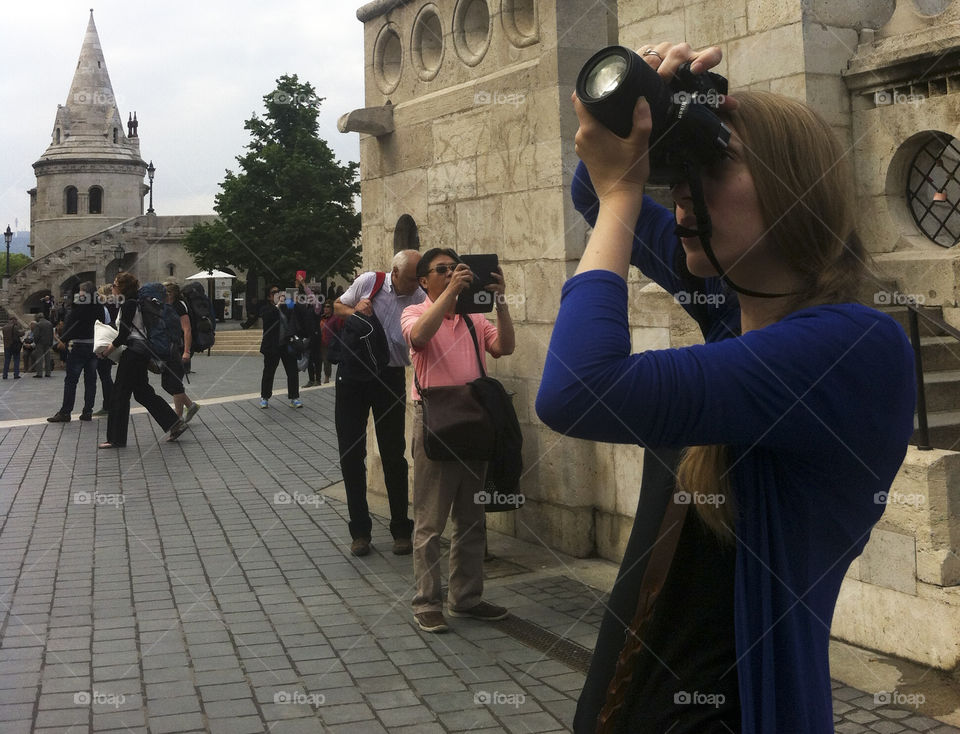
point(7, 236)
point(119, 252)
point(150, 171)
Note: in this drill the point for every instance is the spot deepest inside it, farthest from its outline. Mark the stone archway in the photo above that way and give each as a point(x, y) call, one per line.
point(32, 303)
point(71, 285)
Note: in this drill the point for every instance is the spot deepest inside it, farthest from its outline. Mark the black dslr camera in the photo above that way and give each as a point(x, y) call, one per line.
point(686, 135)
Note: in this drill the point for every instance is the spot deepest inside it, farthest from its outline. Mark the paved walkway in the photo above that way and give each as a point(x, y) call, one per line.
point(207, 586)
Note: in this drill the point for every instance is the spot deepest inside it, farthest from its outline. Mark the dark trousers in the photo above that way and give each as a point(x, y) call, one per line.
point(80, 359)
point(43, 359)
point(270, 362)
point(132, 380)
point(386, 396)
point(316, 359)
point(7, 356)
point(105, 371)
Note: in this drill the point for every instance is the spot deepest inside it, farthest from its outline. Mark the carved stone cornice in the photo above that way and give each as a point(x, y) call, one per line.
point(918, 58)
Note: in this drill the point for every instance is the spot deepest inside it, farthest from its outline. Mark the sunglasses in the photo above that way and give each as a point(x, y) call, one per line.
point(443, 268)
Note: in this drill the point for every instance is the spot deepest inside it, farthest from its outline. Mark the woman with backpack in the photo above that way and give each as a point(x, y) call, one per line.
point(132, 371)
point(180, 341)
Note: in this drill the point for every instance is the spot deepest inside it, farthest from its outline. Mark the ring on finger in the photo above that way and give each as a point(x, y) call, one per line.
point(652, 52)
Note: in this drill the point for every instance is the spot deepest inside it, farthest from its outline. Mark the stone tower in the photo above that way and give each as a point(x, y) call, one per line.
point(91, 175)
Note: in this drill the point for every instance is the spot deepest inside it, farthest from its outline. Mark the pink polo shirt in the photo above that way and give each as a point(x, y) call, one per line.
point(449, 358)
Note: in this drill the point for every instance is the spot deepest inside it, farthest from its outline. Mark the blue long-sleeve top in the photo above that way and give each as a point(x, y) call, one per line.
point(817, 409)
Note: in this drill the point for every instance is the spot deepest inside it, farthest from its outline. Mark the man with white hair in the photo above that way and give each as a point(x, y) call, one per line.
point(381, 297)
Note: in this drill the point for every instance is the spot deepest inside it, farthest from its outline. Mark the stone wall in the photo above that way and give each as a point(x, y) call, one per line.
point(902, 595)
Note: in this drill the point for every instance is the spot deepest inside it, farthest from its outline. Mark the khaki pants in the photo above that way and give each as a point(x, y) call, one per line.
point(442, 488)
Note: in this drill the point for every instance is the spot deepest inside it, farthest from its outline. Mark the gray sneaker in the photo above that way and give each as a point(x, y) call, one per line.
point(191, 411)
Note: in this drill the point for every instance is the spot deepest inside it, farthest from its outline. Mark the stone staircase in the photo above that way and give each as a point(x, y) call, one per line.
point(237, 342)
point(940, 354)
point(88, 255)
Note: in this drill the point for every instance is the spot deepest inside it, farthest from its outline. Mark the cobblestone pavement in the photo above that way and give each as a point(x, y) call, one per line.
point(207, 585)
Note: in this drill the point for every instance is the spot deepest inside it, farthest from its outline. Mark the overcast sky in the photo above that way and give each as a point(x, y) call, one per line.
point(193, 71)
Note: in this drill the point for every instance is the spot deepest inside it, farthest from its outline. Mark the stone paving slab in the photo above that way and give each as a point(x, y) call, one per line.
point(206, 585)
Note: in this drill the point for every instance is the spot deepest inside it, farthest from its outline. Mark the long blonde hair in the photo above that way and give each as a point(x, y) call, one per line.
point(804, 182)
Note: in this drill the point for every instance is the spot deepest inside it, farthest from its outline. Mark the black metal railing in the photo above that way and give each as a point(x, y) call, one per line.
point(913, 316)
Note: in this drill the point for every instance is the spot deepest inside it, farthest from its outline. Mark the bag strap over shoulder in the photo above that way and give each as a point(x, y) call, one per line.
point(476, 346)
point(377, 284)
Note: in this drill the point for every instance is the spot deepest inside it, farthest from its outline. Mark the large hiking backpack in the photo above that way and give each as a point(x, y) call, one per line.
point(203, 322)
point(171, 319)
point(151, 302)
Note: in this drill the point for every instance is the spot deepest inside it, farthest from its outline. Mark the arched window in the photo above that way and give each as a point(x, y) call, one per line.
point(71, 199)
point(170, 269)
point(95, 197)
point(406, 236)
point(56, 136)
point(116, 135)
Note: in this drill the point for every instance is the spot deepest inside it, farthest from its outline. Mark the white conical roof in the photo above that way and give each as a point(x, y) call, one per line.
point(88, 123)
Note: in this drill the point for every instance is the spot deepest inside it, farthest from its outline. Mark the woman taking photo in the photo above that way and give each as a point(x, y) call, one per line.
point(793, 415)
point(132, 376)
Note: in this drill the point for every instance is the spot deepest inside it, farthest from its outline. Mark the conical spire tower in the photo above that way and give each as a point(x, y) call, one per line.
point(91, 174)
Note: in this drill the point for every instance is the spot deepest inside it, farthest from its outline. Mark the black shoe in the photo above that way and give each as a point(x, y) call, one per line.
point(402, 547)
point(360, 546)
point(59, 417)
point(86, 415)
point(16, 377)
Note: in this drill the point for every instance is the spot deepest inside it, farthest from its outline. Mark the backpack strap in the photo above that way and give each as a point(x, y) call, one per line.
point(377, 284)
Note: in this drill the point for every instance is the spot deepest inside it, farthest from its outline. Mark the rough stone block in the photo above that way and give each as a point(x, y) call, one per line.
point(460, 137)
point(613, 532)
point(771, 54)
point(764, 16)
point(828, 95)
point(664, 25)
point(543, 280)
point(405, 193)
point(827, 49)
point(479, 226)
point(920, 628)
point(628, 469)
point(452, 181)
point(889, 560)
point(713, 22)
point(569, 530)
point(533, 224)
point(794, 86)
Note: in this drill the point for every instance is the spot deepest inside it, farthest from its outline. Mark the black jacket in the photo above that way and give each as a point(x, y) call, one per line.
point(279, 324)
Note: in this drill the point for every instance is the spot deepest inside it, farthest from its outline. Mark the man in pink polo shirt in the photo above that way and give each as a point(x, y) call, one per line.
point(443, 353)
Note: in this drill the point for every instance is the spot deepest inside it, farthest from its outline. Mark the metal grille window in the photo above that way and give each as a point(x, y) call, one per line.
point(933, 189)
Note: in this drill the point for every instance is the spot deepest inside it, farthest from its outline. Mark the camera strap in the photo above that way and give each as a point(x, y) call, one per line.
point(705, 229)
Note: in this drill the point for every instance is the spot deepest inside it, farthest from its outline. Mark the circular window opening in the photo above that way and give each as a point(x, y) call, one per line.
point(427, 43)
point(388, 59)
point(930, 8)
point(520, 22)
point(933, 189)
point(406, 236)
point(471, 30)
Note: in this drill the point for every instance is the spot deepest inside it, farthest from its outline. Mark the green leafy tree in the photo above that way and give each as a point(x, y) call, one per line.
point(18, 261)
point(291, 205)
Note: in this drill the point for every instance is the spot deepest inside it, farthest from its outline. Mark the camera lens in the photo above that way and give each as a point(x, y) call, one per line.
point(606, 76)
